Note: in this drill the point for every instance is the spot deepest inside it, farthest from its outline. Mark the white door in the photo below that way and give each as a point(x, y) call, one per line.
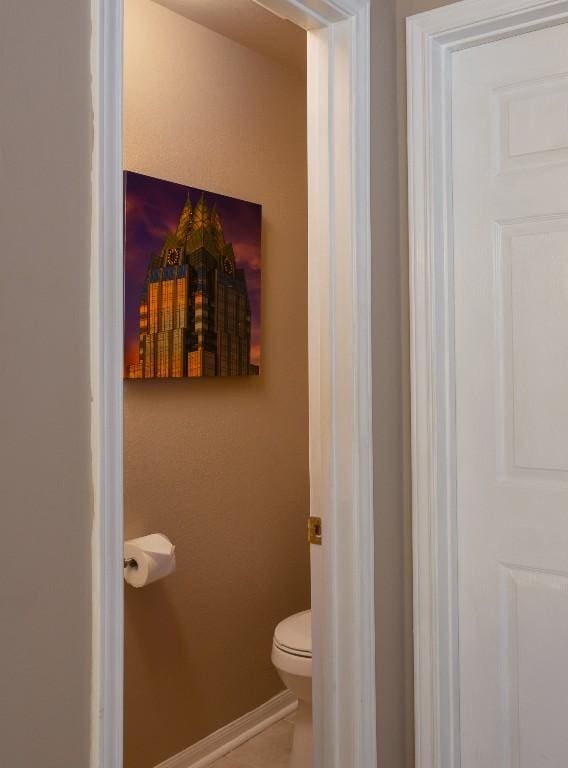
point(510, 184)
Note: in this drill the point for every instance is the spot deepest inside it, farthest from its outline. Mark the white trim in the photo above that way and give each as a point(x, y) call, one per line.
point(340, 379)
point(432, 38)
point(340, 402)
point(106, 385)
point(231, 736)
point(340, 408)
point(314, 14)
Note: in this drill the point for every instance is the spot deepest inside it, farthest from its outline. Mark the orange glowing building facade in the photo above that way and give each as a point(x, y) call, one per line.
point(194, 312)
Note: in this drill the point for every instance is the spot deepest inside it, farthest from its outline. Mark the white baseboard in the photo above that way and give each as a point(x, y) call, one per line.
point(230, 736)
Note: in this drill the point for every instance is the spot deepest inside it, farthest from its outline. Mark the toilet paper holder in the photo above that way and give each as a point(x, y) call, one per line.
point(147, 559)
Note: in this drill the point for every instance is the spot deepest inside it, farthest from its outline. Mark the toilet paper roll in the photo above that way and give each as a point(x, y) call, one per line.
point(154, 558)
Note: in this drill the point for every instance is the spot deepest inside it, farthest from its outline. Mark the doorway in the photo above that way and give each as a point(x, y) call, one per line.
point(216, 369)
point(339, 373)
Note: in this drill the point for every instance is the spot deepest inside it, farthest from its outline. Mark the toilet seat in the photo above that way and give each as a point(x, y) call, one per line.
point(292, 645)
point(294, 634)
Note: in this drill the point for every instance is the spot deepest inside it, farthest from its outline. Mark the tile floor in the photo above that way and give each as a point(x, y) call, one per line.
point(270, 749)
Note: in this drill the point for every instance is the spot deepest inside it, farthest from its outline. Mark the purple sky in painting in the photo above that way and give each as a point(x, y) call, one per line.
point(152, 209)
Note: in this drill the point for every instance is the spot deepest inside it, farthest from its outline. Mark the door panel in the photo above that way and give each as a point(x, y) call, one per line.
point(510, 181)
point(531, 277)
point(537, 686)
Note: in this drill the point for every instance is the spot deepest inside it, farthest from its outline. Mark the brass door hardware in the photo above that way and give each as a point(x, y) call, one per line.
point(314, 530)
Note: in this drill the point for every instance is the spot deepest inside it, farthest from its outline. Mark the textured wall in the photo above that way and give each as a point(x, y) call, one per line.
point(220, 466)
point(45, 466)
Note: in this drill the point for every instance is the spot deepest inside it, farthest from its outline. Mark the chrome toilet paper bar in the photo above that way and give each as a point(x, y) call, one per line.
point(130, 562)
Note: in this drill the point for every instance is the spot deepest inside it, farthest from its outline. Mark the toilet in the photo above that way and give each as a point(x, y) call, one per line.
point(292, 657)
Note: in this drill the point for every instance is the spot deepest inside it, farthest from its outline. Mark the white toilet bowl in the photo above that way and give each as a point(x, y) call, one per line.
point(292, 657)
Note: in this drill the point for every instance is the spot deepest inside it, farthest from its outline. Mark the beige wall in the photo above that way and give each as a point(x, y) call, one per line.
point(45, 482)
point(220, 466)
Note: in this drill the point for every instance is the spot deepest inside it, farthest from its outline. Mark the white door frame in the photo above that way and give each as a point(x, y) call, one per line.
point(339, 375)
point(432, 38)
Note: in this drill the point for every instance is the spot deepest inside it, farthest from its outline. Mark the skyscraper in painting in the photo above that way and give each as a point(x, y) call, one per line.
point(194, 310)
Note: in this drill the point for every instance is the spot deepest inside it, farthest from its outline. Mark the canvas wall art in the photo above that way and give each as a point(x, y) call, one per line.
point(192, 282)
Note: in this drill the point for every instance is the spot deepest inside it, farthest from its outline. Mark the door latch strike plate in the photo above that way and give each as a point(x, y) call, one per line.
point(314, 530)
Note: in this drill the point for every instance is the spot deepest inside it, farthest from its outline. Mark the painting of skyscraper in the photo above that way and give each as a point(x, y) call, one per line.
point(192, 282)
